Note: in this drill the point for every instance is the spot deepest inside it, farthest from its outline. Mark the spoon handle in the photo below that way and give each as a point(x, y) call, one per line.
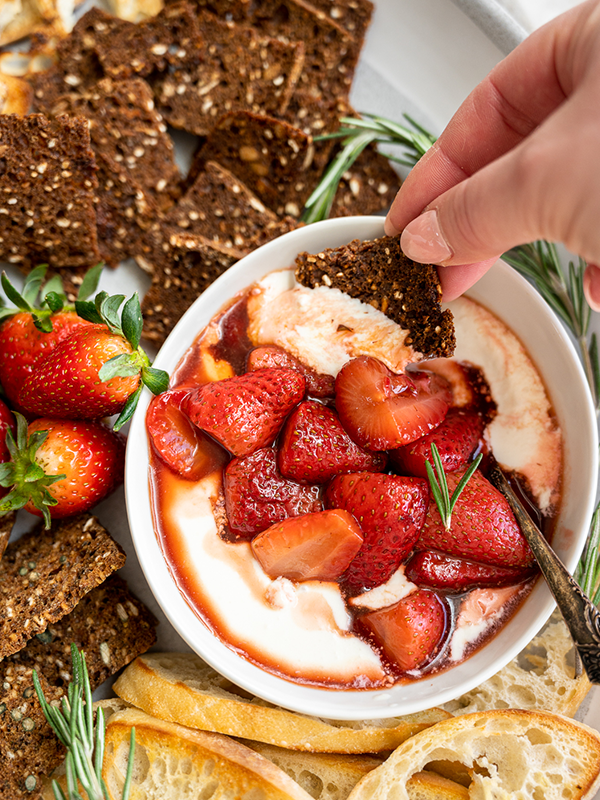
point(580, 614)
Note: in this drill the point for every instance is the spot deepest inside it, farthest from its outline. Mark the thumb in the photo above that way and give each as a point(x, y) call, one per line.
point(545, 188)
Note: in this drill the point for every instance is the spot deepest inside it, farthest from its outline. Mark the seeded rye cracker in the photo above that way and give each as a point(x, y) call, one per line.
point(6, 526)
point(330, 53)
point(234, 68)
point(237, 10)
point(378, 273)
point(369, 186)
point(125, 126)
point(274, 159)
point(178, 283)
point(112, 627)
point(44, 574)
point(354, 16)
point(47, 183)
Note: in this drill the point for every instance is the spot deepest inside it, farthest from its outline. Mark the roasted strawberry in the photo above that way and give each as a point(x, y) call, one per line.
point(390, 511)
point(246, 412)
point(257, 496)
point(312, 547)
point(182, 446)
point(96, 371)
point(317, 383)
point(314, 447)
point(482, 527)
point(456, 438)
point(382, 410)
point(410, 632)
point(61, 467)
point(449, 573)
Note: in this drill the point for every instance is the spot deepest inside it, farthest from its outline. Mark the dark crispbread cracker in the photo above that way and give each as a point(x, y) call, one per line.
point(125, 127)
point(112, 627)
point(274, 159)
point(220, 207)
point(316, 116)
point(46, 573)
point(153, 44)
point(369, 186)
point(234, 69)
point(193, 264)
point(330, 53)
point(124, 213)
point(353, 15)
point(378, 273)
point(47, 183)
point(238, 10)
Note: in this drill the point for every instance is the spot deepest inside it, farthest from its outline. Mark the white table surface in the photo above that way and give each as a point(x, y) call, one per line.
point(421, 57)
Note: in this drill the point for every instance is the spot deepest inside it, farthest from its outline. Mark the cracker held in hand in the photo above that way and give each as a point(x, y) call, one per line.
point(180, 687)
point(47, 183)
point(511, 753)
point(378, 273)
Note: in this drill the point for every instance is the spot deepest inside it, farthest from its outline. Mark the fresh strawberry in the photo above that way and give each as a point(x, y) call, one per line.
point(7, 423)
point(22, 345)
point(61, 467)
point(312, 547)
point(317, 383)
point(38, 321)
point(449, 573)
point(98, 370)
point(456, 438)
point(246, 412)
point(482, 527)
point(314, 447)
point(257, 496)
point(382, 410)
point(410, 632)
point(390, 511)
point(182, 446)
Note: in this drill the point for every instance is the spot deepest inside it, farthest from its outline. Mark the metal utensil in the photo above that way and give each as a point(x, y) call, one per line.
point(580, 614)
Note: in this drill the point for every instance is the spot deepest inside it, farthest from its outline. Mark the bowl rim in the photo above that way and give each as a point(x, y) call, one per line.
point(321, 702)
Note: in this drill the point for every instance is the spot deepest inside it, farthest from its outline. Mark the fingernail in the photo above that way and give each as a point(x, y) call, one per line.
point(422, 240)
point(591, 286)
point(389, 228)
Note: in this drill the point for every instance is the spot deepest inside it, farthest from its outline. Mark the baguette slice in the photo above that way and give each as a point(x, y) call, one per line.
point(176, 762)
point(514, 754)
point(179, 687)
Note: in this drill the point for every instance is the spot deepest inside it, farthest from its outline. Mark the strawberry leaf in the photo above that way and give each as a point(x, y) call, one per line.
point(54, 301)
point(86, 309)
point(33, 282)
point(90, 282)
point(13, 295)
point(108, 308)
point(128, 409)
point(43, 324)
point(122, 366)
point(132, 321)
point(157, 380)
point(55, 285)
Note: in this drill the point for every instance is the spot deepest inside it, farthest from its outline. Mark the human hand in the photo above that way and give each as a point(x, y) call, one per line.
point(519, 161)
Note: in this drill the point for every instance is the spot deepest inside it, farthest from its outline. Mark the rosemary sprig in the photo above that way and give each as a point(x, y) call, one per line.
point(540, 263)
point(73, 723)
point(587, 573)
point(356, 134)
point(439, 485)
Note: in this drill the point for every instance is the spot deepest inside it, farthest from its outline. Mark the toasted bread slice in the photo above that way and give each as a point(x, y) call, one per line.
point(513, 753)
point(180, 687)
point(542, 677)
point(378, 273)
point(172, 762)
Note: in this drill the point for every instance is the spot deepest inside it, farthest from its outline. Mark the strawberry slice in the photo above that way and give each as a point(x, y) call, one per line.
point(382, 410)
point(452, 574)
point(257, 496)
point(312, 547)
point(410, 632)
point(317, 383)
point(178, 443)
point(314, 447)
point(246, 412)
point(482, 528)
point(390, 510)
point(456, 438)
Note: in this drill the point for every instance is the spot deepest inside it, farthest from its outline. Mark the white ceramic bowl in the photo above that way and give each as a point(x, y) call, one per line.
point(506, 294)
